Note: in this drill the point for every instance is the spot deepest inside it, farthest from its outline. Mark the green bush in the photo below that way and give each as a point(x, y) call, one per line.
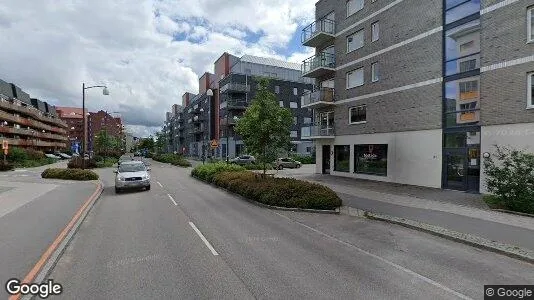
point(105, 162)
point(35, 162)
point(510, 178)
point(112, 153)
point(76, 163)
point(70, 174)
point(281, 192)
point(6, 166)
point(17, 154)
point(304, 159)
point(207, 172)
point(174, 159)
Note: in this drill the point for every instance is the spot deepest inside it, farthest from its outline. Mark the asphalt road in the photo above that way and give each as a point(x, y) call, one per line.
point(32, 213)
point(143, 245)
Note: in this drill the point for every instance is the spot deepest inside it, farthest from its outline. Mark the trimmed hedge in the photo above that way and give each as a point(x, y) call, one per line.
point(208, 171)
point(70, 174)
point(304, 159)
point(257, 166)
point(173, 159)
point(281, 192)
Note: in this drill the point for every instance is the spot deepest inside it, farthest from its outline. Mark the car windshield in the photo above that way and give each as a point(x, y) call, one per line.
point(131, 168)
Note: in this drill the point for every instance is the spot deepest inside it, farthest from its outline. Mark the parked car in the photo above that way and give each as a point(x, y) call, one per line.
point(63, 155)
point(244, 160)
point(49, 155)
point(132, 175)
point(287, 163)
point(125, 158)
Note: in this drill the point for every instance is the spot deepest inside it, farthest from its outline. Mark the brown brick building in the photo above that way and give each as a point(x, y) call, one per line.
point(103, 121)
point(73, 116)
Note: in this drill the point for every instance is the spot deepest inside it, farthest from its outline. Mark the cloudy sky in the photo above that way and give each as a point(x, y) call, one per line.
point(147, 52)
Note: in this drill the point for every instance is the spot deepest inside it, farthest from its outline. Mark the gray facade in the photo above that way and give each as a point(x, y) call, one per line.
point(441, 79)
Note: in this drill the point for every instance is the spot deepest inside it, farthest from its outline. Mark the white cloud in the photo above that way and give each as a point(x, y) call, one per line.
point(49, 49)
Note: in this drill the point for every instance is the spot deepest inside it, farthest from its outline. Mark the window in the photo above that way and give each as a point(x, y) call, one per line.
point(468, 65)
point(355, 41)
point(354, 6)
point(277, 89)
point(375, 75)
point(371, 159)
point(281, 103)
point(358, 114)
point(307, 120)
point(530, 92)
point(459, 9)
point(308, 149)
point(293, 105)
point(375, 31)
point(355, 78)
point(294, 134)
point(530, 22)
point(295, 91)
point(468, 88)
point(342, 158)
point(295, 120)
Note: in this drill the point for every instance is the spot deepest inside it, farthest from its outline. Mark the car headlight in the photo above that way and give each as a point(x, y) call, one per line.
point(145, 176)
point(121, 178)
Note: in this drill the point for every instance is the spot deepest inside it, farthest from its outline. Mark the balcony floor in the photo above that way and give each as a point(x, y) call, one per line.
point(318, 39)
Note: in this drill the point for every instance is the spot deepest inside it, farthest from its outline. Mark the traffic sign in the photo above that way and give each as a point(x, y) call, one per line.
point(214, 144)
point(5, 145)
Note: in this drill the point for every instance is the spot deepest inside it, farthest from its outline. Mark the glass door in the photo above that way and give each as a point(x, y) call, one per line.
point(326, 159)
point(455, 169)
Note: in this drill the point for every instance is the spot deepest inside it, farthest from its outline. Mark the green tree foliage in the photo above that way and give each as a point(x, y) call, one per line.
point(265, 126)
point(510, 176)
point(146, 143)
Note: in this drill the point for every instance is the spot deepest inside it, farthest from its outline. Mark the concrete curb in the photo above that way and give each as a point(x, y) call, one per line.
point(56, 255)
point(315, 211)
point(468, 239)
point(514, 213)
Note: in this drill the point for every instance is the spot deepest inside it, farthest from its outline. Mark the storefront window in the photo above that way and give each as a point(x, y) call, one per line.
point(342, 158)
point(371, 159)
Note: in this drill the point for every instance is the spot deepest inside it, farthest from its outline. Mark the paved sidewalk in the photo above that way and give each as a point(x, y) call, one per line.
point(453, 210)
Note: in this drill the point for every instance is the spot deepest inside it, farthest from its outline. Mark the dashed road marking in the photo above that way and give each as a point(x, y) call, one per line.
point(203, 239)
point(159, 184)
point(172, 199)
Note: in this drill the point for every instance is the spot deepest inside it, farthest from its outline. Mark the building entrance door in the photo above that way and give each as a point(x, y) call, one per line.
point(326, 159)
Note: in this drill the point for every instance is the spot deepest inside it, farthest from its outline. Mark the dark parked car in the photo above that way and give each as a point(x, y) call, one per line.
point(287, 163)
point(244, 160)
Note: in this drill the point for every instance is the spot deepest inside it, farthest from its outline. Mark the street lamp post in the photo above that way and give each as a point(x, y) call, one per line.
point(105, 91)
point(209, 93)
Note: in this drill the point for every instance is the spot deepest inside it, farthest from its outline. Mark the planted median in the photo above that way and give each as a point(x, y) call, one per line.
point(279, 192)
point(173, 159)
point(69, 174)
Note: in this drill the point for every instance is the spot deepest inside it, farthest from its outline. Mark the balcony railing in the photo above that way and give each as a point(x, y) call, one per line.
point(229, 121)
point(29, 122)
point(318, 32)
point(319, 131)
point(319, 65)
point(35, 143)
point(235, 87)
point(321, 97)
point(31, 111)
point(235, 104)
point(30, 132)
point(462, 64)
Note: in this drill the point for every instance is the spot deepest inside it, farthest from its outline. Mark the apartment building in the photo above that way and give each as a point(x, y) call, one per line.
point(418, 92)
point(223, 96)
point(103, 121)
point(73, 116)
point(29, 122)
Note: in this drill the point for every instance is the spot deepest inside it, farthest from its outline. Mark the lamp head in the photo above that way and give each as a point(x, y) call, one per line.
point(209, 92)
point(105, 91)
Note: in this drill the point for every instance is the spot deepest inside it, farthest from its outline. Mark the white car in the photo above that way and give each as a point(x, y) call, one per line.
point(132, 175)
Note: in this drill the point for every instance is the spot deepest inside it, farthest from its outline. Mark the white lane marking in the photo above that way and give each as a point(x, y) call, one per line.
point(203, 239)
point(159, 184)
point(172, 199)
point(413, 273)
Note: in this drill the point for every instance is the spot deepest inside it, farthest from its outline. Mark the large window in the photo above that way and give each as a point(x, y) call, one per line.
point(459, 9)
point(462, 53)
point(530, 21)
point(530, 91)
point(354, 6)
point(342, 158)
point(462, 102)
point(355, 78)
point(371, 159)
point(358, 114)
point(355, 41)
point(375, 73)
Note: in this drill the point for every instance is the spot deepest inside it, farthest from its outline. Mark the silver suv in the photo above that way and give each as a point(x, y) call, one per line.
point(132, 175)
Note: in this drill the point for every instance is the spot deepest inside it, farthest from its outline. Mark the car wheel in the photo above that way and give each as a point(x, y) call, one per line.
point(298, 166)
point(148, 188)
point(280, 167)
point(117, 190)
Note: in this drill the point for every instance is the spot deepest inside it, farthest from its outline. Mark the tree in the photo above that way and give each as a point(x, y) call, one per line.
point(103, 141)
point(161, 142)
point(265, 126)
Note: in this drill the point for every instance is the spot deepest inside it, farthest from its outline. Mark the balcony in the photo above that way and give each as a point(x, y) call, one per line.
point(197, 130)
point(198, 119)
point(29, 122)
point(31, 132)
point(319, 65)
point(318, 33)
point(31, 111)
point(317, 99)
point(232, 87)
point(229, 121)
point(35, 143)
point(234, 104)
point(317, 132)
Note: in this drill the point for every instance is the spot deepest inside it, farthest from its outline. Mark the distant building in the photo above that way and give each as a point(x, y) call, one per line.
point(103, 121)
point(28, 122)
point(73, 116)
